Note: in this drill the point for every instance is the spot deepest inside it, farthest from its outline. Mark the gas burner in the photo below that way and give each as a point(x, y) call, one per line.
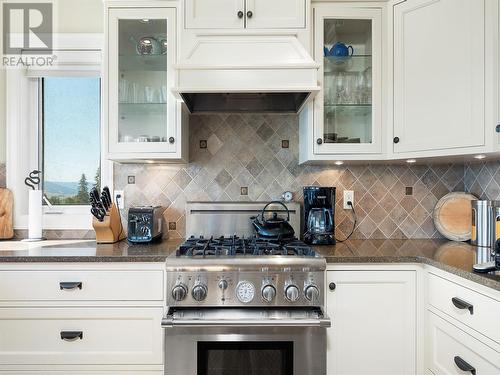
point(241, 246)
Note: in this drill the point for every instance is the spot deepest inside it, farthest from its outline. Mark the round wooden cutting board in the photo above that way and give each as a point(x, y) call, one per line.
point(453, 216)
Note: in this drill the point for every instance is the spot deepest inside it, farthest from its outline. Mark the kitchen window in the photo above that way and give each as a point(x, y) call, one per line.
point(70, 150)
point(54, 125)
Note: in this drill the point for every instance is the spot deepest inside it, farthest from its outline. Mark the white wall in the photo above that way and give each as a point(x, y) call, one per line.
point(73, 16)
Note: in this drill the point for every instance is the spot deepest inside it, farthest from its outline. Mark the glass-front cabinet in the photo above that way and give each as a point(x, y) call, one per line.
point(142, 111)
point(347, 113)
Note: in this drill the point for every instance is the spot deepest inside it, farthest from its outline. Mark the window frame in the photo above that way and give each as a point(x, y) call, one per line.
point(24, 144)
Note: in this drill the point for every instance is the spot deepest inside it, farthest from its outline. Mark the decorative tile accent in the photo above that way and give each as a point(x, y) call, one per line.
point(131, 180)
point(245, 150)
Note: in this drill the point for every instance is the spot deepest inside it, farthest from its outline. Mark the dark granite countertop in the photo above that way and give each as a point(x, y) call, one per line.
point(454, 257)
point(85, 251)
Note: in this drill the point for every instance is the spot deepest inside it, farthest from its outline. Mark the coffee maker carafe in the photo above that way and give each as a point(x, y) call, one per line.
point(319, 215)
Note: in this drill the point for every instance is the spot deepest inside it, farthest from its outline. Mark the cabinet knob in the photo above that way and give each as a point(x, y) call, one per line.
point(396, 139)
point(249, 14)
point(171, 140)
point(240, 14)
point(464, 366)
point(498, 128)
point(319, 141)
point(332, 286)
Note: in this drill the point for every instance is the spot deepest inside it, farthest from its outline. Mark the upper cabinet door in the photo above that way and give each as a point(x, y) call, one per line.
point(348, 110)
point(220, 14)
point(439, 75)
point(276, 14)
point(141, 107)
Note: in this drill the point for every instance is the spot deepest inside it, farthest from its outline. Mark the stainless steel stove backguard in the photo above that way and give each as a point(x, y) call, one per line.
point(229, 218)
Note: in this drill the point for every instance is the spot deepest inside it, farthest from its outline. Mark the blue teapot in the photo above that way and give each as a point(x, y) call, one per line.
point(339, 49)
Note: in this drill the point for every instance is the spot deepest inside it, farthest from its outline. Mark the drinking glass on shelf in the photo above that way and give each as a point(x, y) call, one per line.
point(148, 94)
point(340, 82)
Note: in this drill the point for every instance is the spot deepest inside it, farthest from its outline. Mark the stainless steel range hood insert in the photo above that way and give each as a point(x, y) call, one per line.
point(247, 73)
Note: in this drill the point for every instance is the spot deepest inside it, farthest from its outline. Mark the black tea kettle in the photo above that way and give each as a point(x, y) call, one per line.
point(275, 228)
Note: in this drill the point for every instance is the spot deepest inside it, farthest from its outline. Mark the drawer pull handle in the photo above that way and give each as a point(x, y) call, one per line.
point(464, 366)
point(71, 335)
point(70, 285)
point(462, 305)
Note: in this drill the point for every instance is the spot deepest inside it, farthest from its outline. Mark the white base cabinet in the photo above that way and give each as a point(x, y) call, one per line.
point(451, 351)
point(78, 318)
point(79, 336)
point(462, 327)
point(374, 322)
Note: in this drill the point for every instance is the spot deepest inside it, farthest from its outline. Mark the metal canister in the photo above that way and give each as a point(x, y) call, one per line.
point(482, 223)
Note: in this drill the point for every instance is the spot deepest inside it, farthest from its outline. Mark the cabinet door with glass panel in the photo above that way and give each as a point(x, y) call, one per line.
point(347, 111)
point(142, 109)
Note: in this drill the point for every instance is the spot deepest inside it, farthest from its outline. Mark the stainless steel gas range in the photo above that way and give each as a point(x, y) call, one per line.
point(243, 305)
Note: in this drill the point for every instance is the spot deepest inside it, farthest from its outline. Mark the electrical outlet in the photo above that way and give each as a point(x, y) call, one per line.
point(119, 199)
point(348, 197)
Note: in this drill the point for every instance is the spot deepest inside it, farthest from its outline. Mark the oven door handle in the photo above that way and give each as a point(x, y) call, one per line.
point(169, 322)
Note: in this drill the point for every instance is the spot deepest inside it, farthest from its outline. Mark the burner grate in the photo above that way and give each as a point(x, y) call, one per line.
point(241, 246)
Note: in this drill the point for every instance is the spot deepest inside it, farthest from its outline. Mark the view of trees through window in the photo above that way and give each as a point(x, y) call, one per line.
point(71, 139)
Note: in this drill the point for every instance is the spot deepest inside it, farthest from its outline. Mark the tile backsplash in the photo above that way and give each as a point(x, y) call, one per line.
point(483, 179)
point(254, 157)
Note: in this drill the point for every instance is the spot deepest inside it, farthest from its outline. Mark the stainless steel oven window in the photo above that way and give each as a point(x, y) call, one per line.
point(245, 358)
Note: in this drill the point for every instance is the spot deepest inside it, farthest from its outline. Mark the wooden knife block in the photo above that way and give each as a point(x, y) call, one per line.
point(110, 230)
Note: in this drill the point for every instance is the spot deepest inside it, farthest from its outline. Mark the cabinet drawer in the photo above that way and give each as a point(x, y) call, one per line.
point(84, 285)
point(92, 336)
point(482, 314)
point(446, 343)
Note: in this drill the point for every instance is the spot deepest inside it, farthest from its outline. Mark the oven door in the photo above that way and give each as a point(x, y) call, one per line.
point(227, 341)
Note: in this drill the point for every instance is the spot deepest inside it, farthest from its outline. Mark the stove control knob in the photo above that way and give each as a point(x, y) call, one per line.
point(179, 292)
point(292, 293)
point(312, 293)
point(199, 292)
point(268, 293)
point(223, 284)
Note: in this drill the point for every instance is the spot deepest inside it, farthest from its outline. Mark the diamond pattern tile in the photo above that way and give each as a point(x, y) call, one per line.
point(245, 150)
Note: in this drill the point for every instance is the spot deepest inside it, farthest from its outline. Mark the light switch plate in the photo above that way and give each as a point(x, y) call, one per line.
point(348, 196)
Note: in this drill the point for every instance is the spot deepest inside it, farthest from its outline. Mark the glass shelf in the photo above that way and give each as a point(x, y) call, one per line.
point(142, 103)
point(150, 63)
point(356, 63)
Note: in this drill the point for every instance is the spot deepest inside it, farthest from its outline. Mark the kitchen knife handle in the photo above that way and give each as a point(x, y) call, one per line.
point(71, 335)
point(71, 285)
point(464, 366)
point(462, 305)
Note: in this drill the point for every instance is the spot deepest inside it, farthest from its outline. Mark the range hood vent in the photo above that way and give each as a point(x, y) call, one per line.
point(290, 102)
point(247, 73)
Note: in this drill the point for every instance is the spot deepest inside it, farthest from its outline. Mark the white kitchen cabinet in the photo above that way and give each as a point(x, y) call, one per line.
point(250, 14)
point(144, 120)
point(451, 351)
point(81, 318)
point(223, 14)
point(79, 336)
point(439, 77)
point(374, 322)
point(276, 14)
point(345, 121)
